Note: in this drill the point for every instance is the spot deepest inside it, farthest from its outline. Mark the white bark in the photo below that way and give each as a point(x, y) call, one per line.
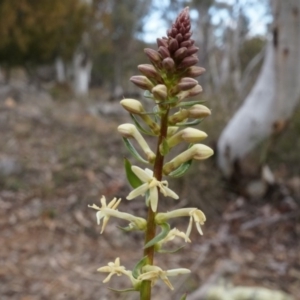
point(274, 95)
point(253, 120)
point(60, 70)
point(82, 74)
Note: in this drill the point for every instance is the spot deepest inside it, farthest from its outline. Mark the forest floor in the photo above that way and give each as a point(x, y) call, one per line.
point(56, 157)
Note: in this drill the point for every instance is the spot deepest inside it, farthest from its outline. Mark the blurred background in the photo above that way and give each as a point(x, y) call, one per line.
point(64, 67)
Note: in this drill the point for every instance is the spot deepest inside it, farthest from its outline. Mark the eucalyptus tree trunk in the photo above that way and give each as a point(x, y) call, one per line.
point(275, 94)
point(82, 73)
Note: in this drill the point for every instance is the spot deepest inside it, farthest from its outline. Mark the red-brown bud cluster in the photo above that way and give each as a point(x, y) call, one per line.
point(173, 63)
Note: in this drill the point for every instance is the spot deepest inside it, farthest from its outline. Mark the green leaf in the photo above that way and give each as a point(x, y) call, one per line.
point(133, 180)
point(123, 291)
point(189, 123)
point(133, 151)
point(170, 251)
point(181, 170)
point(139, 127)
point(189, 103)
point(137, 268)
point(147, 94)
point(165, 229)
point(164, 147)
point(126, 229)
point(183, 297)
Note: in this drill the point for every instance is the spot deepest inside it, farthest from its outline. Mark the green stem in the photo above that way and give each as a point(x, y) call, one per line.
point(151, 226)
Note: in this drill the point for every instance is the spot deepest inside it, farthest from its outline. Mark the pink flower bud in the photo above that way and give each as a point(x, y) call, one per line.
point(142, 82)
point(153, 55)
point(162, 42)
point(192, 50)
point(163, 51)
point(180, 53)
point(187, 83)
point(188, 62)
point(149, 71)
point(173, 45)
point(169, 64)
point(194, 71)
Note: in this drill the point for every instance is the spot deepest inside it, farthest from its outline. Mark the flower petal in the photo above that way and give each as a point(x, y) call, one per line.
point(189, 229)
point(199, 228)
point(169, 193)
point(138, 191)
point(141, 174)
point(153, 198)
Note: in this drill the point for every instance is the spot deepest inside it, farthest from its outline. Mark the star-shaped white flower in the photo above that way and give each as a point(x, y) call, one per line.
point(113, 268)
point(175, 233)
point(199, 219)
point(113, 204)
point(194, 213)
point(153, 273)
point(150, 184)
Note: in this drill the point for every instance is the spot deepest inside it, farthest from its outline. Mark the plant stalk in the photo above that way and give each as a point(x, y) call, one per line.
point(145, 293)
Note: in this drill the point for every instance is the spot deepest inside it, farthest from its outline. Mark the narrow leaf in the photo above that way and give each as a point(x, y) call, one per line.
point(147, 94)
point(137, 268)
point(139, 127)
point(181, 170)
point(183, 297)
point(133, 151)
point(123, 291)
point(133, 180)
point(189, 103)
point(165, 229)
point(190, 123)
point(170, 251)
point(164, 147)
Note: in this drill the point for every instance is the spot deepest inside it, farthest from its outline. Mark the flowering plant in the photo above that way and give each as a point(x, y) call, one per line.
point(168, 81)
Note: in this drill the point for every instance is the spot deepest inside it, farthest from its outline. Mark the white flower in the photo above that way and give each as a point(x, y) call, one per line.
point(174, 233)
point(195, 215)
point(101, 214)
point(199, 219)
point(151, 184)
point(113, 268)
point(153, 273)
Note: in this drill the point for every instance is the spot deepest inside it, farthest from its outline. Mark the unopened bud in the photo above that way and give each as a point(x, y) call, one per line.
point(127, 130)
point(190, 93)
point(130, 131)
point(152, 55)
point(197, 151)
point(186, 44)
point(133, 106)
point(173, 45)
point(172, 130)
point(194, 71)
point(162, 42)
point(180, 53)
point(201, 152)
point(189, 135)
point(149, 71)
point(179, 37)
point(192, 50)
point(199, 111)
point(160, 92)
point(188, 62)
point(169, 64)
point(187, 83)
point(178, 116)
point(142, 82)
point(163, 51)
